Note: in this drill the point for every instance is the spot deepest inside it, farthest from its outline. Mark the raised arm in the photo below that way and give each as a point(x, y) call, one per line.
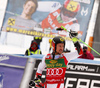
point(75, 40)
point(79, 51)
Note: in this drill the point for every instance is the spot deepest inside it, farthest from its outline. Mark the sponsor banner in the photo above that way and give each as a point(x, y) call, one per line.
point(33, 33)
point(1, 79)
point(87, 68)
point(13, 60)
point(13, 69)
point(27, 19)
point(74, 15)
point(78, 74)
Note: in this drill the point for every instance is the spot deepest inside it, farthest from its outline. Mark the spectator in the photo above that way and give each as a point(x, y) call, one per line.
point(86, 54)
point(33, 49)
point(38, 40)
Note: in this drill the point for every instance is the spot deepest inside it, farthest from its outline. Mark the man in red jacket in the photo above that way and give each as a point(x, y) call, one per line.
point(86, 54)
point(56, 63)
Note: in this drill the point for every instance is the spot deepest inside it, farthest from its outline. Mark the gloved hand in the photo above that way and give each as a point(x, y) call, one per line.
point(38, 83)
point(31, 83)
point(73, 36)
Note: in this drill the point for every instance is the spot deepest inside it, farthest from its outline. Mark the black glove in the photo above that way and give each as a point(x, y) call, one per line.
point(31, 83)
point(78, 46)
point(72, 34)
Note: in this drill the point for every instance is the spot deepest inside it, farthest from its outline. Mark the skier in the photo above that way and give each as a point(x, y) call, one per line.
point(56, 63)
point(34, 49)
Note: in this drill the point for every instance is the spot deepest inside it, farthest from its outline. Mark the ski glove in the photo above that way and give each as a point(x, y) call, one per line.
point(73, 34)
point(31, 83)
point(78, 47)
point(36, 83)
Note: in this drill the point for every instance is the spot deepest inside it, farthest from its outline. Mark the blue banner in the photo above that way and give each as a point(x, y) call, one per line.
point(12, 68)
point(1, 79)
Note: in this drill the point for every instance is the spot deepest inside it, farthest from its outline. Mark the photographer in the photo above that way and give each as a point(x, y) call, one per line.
point(86, 54)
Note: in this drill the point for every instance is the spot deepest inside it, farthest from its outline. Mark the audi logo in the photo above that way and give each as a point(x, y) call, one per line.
point(54, 71)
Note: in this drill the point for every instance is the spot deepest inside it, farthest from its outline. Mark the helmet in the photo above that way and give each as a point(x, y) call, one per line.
point(70, 8)
point(57, 40)
point(34, 48)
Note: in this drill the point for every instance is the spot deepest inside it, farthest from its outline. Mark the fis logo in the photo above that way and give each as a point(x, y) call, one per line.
point(4, 58)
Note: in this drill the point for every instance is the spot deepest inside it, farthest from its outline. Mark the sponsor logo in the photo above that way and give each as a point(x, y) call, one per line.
point(80, 67)
point(84, 12)
point(52, 65)
point(11, 21)
point(53, 61)
point(54, 80)
point(37, 33)
point(54, 71)
point(77, 83)
point(4, 58)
